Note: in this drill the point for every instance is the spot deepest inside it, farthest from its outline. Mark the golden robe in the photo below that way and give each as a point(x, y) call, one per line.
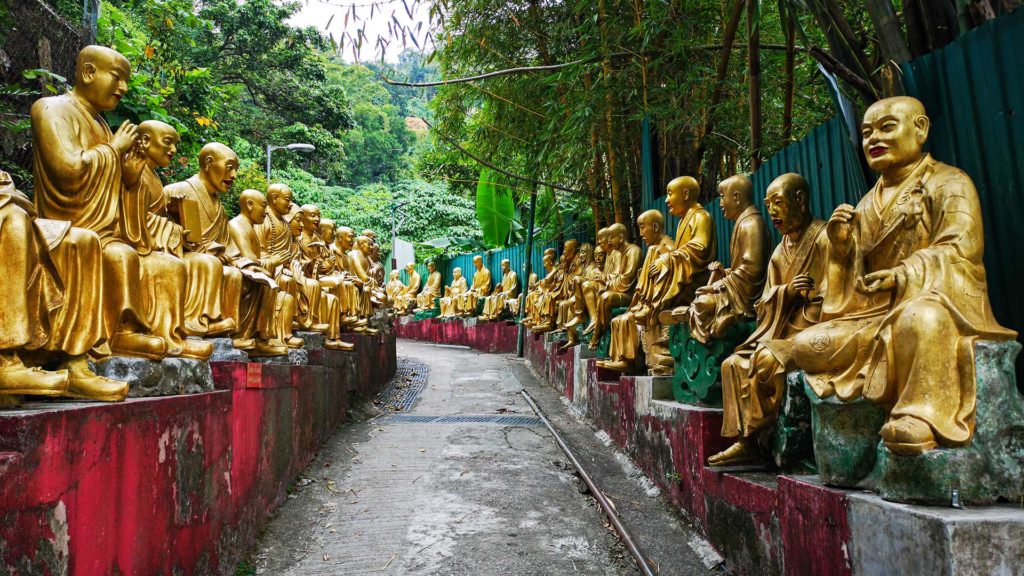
point(752, 379)
point(481, 288)
point(686, 267)
point(911, 349)
point(494, 305)
point(431, 290)
point(450, 303)
point(735, 293)
point(279, 253)
point(625, 341)
point(408, 296)
point(623, 267)
point(78, 179)
point(204, 295)
point(252, 296)
point(274, 315)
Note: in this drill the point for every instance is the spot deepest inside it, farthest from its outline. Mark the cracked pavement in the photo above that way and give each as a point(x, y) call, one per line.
point(410, 494)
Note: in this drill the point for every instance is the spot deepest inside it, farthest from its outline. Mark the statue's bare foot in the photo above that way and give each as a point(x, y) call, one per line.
point(321, 328)
point(197, 349)
point(138, 345)
point(221, 327)
point(86, 384)
point(338, 345)
point(17, 379)
point(294, 342)
point(742, 452)
point(264, 348)
point(574, 321)
point(908, 436)
point(590, 328)
point(615, 365)
point(243, 343)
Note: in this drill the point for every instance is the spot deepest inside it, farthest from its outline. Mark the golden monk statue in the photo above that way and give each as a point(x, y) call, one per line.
point(363, 265)
point(555, 287)
point(905, 291)
point(260, 323)
point(622, 265)
point(395, 287)
point(570, 311)
point(494, 305)
point(206, 311)
point(41, 320)
point(431, 290)
point(452, 293)
point(535, 290)
point(81, 173)
point(252, 209)
point(481, 288)
point(753, 379)
point(408, 296)
point(356, 304)
point(731, 292)
point(625, 341)
point(513, 304)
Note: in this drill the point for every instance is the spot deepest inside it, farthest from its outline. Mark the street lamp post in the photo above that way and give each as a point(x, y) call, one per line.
point(299, 146)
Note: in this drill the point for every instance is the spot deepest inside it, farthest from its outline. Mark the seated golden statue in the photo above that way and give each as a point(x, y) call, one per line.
point(905, 292)
point(535, 288)
point(481, 287)
point(730, 293)
point(395, 287)
point(405, 300)
point(622, 265)
point(669, 277)
point(81, 171)
point(206, 311)
point(555, 287)
point(252, 209)
point(363, 266)
point(260, 325)
point(514, 304)
point(570, 311)
point(431, 290)
point(40, 319)
point(753, 380)
point(452, 293)
point(625, 334)
point(494, 305)
point(356, 305)
point(328, 313)
point(334, 279)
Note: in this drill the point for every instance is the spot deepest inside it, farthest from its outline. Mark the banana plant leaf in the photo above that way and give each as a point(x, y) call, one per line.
point(495, 208)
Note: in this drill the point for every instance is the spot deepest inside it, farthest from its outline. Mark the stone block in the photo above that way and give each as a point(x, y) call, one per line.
point(792, 443)
point(295, 357)
point(167, 377)
point(849, 452)
point(224, 351)
point(889, 538)
point(313, 340)
point(647, 389)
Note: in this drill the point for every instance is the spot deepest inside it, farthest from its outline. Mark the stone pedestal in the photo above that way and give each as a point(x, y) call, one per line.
point(849, 452)
point(224, 351)
point(299, 357)
point(698, 366)
point(169, 377)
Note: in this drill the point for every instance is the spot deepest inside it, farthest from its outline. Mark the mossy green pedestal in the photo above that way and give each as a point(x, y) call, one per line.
point(849, 452)
point(698, 366)
point(432, 313)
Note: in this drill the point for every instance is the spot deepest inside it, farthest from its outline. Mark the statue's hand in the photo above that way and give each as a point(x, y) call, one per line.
point(131, 167)
point(716, 265)
point(657, 266)
point(124, 138)
point(800, 286)
point(840, 224)
point(880, 281)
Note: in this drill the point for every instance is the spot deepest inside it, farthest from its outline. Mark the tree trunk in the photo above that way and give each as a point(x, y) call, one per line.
point(887, 25)
point(728, 38)
point(788, 82)
point(754, 67)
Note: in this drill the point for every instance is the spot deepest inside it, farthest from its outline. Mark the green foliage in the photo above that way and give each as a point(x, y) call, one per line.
point(495, 208)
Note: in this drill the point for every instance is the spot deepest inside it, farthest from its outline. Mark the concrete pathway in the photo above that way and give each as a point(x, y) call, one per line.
point(466, 482)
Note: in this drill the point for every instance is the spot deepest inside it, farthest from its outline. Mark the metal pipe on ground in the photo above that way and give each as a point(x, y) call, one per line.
point(609, 510)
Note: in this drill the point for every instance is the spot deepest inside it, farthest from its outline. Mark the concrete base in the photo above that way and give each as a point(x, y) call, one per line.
point(888, 538)
point(224, 351)
point(169, 485)
point(148, 378)
point(499, 336)
point(295, 357)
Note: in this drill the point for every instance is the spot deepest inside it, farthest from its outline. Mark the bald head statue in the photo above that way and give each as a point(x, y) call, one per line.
point(327, 227)
point(478, 262)
point(893, 134)
point(253, 205)
point(158, 141)
point(652, 226)
point(506, 265)
point(410, 267)
point(787, 201)
point(218, 167)
point(682, 194)
point(618, 235)
point(279, 196)
point(101, 78)
point(310, 218)
point(345, 238)
point(735, 194)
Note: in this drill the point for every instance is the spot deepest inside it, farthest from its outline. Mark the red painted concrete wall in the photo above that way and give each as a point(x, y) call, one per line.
point(495, 337)
point(178, 484)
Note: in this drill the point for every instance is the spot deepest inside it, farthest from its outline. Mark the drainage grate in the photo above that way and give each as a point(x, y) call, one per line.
point(463, 419)
point(409, 382)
